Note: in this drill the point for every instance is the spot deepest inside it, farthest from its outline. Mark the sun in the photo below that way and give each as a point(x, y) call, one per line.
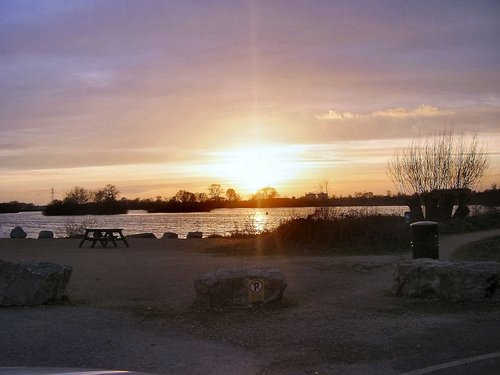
point(256, 167)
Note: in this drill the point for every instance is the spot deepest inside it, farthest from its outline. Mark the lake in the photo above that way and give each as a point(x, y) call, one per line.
point(219, 221)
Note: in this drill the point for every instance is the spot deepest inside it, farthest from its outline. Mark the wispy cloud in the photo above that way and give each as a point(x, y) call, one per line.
point(335, 115)
point(421, 111)
point(400, 112)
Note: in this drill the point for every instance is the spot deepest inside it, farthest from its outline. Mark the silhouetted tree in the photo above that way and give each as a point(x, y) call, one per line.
point(184, 196)
point(107, 194)
point(432, 167)
point(77, 195)
point(267, 192)
point(111, 192)
point(232, 196)
point(201, 197)
point(215, 192)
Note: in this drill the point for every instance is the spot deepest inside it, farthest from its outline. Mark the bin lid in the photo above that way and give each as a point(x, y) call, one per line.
point(423, 223)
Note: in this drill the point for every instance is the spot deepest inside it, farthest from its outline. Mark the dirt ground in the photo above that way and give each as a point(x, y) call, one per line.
point(132, 308)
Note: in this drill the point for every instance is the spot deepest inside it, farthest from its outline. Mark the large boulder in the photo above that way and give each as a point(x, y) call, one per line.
point(170, 235)
point(45, 234)
point(447, 280)
point(18, 232)
point(30, 283)
point(194, 235)
point(239, 287)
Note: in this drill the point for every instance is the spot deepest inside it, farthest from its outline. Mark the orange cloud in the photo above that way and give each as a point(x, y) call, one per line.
point(400, 112)
point(334, 115)
point(423, 110)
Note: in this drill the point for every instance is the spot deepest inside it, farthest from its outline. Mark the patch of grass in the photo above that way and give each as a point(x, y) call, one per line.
point(484, 250)
point(484, 221)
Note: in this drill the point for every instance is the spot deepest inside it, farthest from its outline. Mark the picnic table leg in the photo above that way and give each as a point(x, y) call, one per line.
point(123, 239)
point(111, 237)
point(85, 238)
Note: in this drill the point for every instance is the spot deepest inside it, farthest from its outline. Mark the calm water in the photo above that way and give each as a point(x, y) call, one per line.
point(220, 221)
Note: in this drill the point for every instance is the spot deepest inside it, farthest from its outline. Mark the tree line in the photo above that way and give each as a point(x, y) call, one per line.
point(81, 201)
point(77, 202)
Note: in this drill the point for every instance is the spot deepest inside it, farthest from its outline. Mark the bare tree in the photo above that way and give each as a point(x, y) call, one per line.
point(232, 196)
point(215, 192)
point(325, 211)
point(184, 196)
point(111, 192)
point(444, 162)
point(267, 192)
point(77, 195)
point(201, 197)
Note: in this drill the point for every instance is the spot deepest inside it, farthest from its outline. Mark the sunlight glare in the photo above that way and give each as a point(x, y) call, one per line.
point(254, 168)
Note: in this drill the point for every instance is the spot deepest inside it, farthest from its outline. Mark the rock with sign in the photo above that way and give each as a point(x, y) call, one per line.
point(239, 287)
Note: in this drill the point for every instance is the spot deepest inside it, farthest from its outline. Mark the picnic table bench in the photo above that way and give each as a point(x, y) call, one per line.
point(103, 236)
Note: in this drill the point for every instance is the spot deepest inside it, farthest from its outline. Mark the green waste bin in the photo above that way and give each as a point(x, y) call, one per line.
point(424, 239)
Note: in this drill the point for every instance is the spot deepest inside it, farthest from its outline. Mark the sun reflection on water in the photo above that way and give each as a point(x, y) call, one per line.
point(260, 221)
point(256, 222)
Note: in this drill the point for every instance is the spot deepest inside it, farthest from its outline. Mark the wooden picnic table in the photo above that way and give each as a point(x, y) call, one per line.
point(103, 236)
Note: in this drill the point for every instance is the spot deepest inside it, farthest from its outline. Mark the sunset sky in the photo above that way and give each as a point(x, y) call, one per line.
point(157, 96)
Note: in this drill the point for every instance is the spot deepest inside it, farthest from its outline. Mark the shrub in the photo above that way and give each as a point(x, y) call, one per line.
point(77, 230)
point(341, 234)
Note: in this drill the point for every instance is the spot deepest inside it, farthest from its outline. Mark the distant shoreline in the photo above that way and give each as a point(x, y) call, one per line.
point(61, 208)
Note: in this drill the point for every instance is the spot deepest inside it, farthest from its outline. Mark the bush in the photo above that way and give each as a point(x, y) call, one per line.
point(343, 234)
point(77, 230)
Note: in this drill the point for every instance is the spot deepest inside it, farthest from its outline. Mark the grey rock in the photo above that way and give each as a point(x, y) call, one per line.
point(195, 235)
point(30, 283)
point(170, 235)
point(447, 280)
point(142, 235)
point(18, 232)
point(45, 234)
point(231, 287)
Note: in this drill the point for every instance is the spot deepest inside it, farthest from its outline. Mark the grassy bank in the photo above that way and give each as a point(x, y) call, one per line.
point(472, 223)
point(327, 233)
